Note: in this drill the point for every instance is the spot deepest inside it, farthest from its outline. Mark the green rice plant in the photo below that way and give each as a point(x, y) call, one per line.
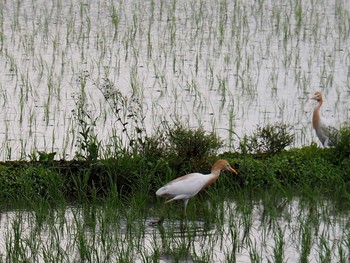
point(286, 31)
point(149, 41)
point(1, 38)
point(231, 256)
point(299, 17)
point(254, 254)
point(325, 251)
point(95, 232)
point(306, 242)
point(8, 152)
point(13, 241)
point(82, 241)
point(342, 254)
point(278, 251)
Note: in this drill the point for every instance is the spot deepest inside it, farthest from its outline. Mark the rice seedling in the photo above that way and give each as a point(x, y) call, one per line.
point(221, 66)
point(96, 232)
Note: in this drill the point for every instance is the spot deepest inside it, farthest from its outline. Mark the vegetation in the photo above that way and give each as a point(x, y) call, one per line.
point(267, 185)
point(185, 149)
point(341, 151)
point(166, 156)
point(267, 140)
point(84, 87)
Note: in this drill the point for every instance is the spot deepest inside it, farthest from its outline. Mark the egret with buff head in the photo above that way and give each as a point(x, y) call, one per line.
point(325, 133)
point(187, 186)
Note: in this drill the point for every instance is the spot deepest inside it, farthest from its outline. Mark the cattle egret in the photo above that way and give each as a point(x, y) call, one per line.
point(187, 186)
point(325, 133)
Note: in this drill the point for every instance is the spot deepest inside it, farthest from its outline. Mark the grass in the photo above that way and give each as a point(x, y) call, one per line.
point(103, 83)
point(126, 183)
point(265, 216)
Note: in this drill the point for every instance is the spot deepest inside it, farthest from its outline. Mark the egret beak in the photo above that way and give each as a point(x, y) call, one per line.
point(233, 171)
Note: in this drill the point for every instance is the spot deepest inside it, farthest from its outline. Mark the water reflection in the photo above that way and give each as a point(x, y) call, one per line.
point(227, 71)
point(292, 231)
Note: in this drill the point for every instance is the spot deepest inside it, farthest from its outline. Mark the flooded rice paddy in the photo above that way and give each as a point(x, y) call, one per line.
point(293, 231)
point(130, 66)
point(227, 66)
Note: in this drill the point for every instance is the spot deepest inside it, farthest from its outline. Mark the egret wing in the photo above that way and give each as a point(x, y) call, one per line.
point(327, 133)
point(184, 187)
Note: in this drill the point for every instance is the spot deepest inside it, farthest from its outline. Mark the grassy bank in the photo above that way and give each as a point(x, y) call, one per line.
point(301, 169)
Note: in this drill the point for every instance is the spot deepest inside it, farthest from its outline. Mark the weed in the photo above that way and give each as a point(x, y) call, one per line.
point(88, 143)
point(342, 147)
point(187, 144)
point(129, 115)
point(183, 147)
point(267, 140)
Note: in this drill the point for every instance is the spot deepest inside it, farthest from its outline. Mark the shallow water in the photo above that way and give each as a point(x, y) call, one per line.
point(226, 66)
point(246, 233)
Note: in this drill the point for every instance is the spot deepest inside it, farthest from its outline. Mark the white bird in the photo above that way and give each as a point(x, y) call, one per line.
point(325, 133)
point(187, 186)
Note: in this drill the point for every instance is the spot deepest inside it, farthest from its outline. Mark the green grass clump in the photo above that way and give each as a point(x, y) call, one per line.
point(184, 148)
point(342, 148)
point(30, 181)
point(192, 148)
point(310, 166)
point(267, 140)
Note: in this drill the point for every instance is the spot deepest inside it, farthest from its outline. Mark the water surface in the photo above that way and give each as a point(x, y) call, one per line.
point(227, 66)
point(291, 231)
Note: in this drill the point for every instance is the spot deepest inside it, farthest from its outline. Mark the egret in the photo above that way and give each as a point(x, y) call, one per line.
point(187, 186)
point(325, 133)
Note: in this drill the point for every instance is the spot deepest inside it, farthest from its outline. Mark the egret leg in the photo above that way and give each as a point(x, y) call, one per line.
point(185, 209)
point(161, 219)
point(158, 222)
point(184, 222)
